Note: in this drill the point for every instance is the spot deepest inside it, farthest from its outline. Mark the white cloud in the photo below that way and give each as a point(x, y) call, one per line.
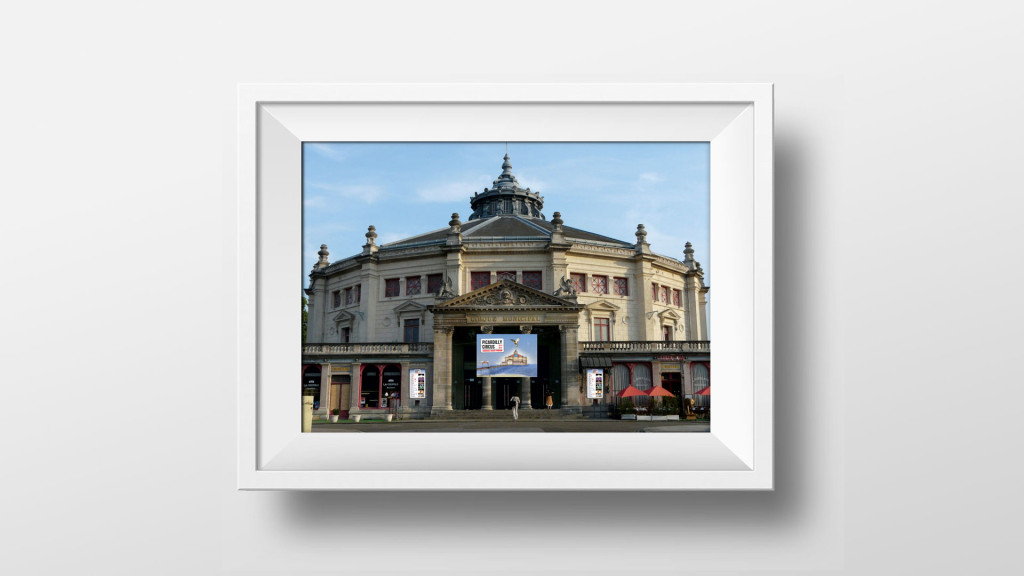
point(650, 177)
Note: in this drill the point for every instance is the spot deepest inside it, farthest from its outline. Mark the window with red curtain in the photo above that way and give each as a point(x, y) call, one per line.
point(599, 284)
point(391, 287)
point(533, 280)
point(579, 282)
point(480, 279)
point(412, 285)
point(664, 294)
point(621, 286)
point(434, 283)
point(412, 330)
point(677, 298)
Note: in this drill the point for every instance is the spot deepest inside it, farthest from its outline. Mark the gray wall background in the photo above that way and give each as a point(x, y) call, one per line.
point(898, 201)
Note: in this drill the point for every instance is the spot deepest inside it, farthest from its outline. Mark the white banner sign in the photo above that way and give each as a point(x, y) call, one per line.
point(595, 383)
point(417, 383)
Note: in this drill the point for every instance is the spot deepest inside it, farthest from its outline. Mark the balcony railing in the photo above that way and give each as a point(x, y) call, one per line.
point(370, 348)
point(655, 346)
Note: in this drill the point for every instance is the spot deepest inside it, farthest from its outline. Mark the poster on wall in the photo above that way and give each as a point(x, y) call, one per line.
point(417, 383)
point(595, 383)
point(506, 355)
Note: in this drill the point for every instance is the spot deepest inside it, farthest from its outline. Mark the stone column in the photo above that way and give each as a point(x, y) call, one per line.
point(687, 379)
point(570, 368)
point(357, 383)
point(441, 398)
point(325, 391)
point(486, 403)
point(524, 382)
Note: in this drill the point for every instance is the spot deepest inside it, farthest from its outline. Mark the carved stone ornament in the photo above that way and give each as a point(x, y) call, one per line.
point(487, 329)
point(447, 293)
point(565, 288)
point(525, 329)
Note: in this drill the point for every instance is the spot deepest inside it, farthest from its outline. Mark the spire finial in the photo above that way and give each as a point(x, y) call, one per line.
point(323, 262)
point(506, 166)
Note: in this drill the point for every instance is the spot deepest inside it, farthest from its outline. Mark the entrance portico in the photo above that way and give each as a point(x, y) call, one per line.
point(505, 308)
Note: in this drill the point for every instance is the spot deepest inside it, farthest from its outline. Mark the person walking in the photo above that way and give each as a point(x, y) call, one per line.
point(514, 401)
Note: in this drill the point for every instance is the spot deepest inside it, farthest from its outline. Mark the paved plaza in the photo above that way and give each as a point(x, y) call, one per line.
point(532, 425)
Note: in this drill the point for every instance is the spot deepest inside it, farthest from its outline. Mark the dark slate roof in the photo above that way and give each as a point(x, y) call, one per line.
point(436, 236)
point(499, 226)
point(504, 227)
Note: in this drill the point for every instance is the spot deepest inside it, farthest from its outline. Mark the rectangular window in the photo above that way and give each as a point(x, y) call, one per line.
point(412, 285)
point(664, 294)
point(434, 283)
point(391, 287)
point(348, 296)
point(533, 280)
point(579, 282)
point(601, 330)
point(412, 330)
point(507, 276)
point(336, 299)
point(621, 286)
point(654, 292)
point(677, 298)
point(346, 334)
point(480, 279)
point(667, 332)
point(599, 284)
point(359, 291)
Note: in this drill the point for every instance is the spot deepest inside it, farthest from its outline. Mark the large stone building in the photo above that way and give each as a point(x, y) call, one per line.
point(413, 308)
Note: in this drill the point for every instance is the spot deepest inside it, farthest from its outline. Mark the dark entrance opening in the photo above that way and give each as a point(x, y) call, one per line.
point(467, 387)
point(507, 388)
point(673, 382)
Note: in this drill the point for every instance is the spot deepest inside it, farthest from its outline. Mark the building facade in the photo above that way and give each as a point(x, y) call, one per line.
point(407, 313)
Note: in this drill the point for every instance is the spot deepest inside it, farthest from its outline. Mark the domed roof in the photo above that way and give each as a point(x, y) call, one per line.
point(506, 197)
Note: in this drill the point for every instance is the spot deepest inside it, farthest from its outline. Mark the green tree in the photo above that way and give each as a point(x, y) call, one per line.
point(305, 318)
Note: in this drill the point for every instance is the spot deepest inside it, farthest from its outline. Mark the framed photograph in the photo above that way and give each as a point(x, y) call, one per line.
point(518, 342)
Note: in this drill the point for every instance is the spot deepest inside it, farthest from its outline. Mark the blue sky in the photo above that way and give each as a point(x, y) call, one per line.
point(405, 189)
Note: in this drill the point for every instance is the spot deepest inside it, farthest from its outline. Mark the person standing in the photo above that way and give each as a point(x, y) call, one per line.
point(514, 401)
point(548, 400)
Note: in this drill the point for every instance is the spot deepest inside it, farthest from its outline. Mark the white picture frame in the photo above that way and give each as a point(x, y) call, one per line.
point(274, 121)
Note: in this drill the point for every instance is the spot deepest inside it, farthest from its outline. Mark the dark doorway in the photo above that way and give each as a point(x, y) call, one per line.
point(673, 382)
point(472, 390)
point(506, 388)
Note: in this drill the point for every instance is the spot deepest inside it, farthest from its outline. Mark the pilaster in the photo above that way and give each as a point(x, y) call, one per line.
point(441, 397)
point(570, 368)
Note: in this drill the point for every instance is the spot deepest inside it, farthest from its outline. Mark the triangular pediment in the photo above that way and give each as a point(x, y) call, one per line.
point(669, 315)
point(602, 306)
point(505, 294)
point(410, 306)
point(343, 316)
